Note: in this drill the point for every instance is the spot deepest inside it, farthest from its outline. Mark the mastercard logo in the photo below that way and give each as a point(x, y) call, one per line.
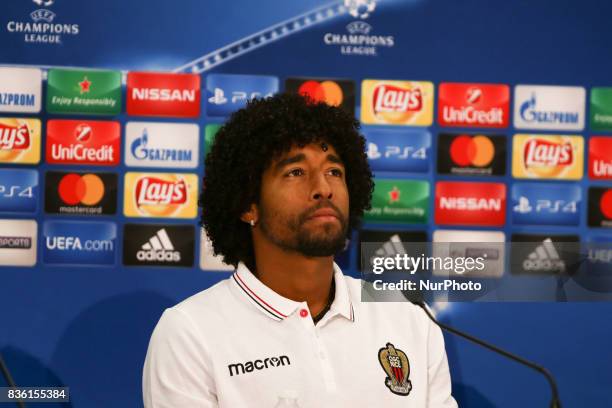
point(325, 91)
point(87, 189)
point(477, 151)
point(606, 204)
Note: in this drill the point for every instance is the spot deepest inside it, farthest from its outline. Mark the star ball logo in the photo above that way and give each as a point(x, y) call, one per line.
point(474, 105)
point(472, 154)
point(163, 94)
point(548, 157)
point(408, 103)
point(20, 140)
point(467, 203)
point(334, 92)
point(83, 142)
point(94, 92)
point(600, 207)
point(80, 193)
point(165, 195)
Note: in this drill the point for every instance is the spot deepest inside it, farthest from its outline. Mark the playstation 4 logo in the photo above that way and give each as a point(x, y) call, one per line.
point(550, 206)
point(237, 97)
point(400, 153)
point(227, 93)
point(218, 98)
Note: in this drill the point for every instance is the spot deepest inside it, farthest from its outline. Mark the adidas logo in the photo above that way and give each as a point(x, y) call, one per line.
point(392, 247)
point(159, 248)
point(545, 258)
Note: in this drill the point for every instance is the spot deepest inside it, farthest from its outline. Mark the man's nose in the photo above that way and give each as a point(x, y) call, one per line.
point(321, 187)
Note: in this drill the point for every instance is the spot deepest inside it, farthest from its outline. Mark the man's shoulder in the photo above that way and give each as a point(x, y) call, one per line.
point(206, 303)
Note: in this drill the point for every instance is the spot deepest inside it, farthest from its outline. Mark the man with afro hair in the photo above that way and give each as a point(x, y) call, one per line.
point(286, 180)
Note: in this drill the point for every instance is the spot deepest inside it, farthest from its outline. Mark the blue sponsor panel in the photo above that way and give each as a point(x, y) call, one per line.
point(546, 204)
point(398, 150)
point(18, 191)
point(226, 93)
point(79, 243)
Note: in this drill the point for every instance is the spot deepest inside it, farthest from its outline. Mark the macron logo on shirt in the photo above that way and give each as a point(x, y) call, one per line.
point(250, 366)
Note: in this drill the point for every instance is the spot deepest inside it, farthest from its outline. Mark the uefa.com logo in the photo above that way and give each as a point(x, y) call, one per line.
point(360, 37)
point(79, 243)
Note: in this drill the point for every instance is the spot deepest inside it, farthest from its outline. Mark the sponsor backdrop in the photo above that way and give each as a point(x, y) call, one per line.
point(485, 121)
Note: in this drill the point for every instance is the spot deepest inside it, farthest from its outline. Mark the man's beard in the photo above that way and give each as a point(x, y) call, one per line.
point(327, 242)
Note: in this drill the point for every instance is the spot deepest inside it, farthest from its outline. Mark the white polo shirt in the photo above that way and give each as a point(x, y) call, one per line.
point(240, 344)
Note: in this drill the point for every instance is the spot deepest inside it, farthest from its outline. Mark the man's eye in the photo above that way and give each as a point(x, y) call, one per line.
point(336, 172)
point(295, 173)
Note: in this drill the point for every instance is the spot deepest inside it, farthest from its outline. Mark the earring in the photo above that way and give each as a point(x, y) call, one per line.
point(252, 222)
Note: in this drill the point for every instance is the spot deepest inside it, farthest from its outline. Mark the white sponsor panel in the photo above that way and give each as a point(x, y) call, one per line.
point(20, 90)
point(18, 241)
point(488, 245)
point(208, 261)
point(549, 107)
point(167, 145)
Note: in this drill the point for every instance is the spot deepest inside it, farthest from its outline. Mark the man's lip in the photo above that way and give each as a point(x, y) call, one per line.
point(324, 212)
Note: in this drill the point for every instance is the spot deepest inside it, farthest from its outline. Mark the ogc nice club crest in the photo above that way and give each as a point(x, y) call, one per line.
point(395, 363)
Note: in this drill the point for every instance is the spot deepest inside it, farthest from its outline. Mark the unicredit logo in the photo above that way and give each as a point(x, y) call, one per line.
point(478, 105)
point(600, 157)
point(14, 137)
point(388, 98)
point(543, 153)
point(78, 142)
point(155, 191)
point(163, 94)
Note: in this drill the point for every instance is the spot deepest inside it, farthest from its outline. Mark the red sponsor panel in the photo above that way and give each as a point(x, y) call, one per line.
point(466, 203)
point(474, 105)
point(92, 142)
point(600, 158)
point(163, 94)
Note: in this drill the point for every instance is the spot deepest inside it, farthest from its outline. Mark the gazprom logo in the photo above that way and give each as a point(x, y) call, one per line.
point(530, 113)
point(549, 107)
point(150, 144)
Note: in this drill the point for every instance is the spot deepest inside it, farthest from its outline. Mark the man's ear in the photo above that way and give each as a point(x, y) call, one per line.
point(251, 215)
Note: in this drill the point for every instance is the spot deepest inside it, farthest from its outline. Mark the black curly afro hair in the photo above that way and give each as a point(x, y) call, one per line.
point(248, 143)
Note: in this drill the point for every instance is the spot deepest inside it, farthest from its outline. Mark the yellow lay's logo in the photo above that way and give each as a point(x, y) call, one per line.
point(19, 140)
point(548, 156)
point(408, 103)
point(162, 195)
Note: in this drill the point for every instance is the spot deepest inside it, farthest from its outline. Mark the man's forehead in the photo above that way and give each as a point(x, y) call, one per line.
point(315, 147)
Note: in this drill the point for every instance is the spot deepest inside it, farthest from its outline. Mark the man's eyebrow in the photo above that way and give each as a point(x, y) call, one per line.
point(289, 160)
point(300, 157)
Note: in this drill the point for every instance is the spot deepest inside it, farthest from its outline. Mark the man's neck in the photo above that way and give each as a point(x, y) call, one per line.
point(295, 276)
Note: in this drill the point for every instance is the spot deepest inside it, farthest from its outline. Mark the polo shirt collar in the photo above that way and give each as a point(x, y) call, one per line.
point(278, 307)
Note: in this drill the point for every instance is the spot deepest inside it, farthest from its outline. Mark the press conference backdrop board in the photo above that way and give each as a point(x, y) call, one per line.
point(98, 211)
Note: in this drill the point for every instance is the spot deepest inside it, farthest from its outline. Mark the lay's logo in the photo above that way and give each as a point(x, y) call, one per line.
point(156, 191)
point(408, 103)
point(19, 140)
point(548, 157)
point(389, 98)
point(542, 153)
point(160, 195)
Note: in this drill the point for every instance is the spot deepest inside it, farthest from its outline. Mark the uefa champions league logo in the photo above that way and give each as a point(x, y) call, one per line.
point(359, 8)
